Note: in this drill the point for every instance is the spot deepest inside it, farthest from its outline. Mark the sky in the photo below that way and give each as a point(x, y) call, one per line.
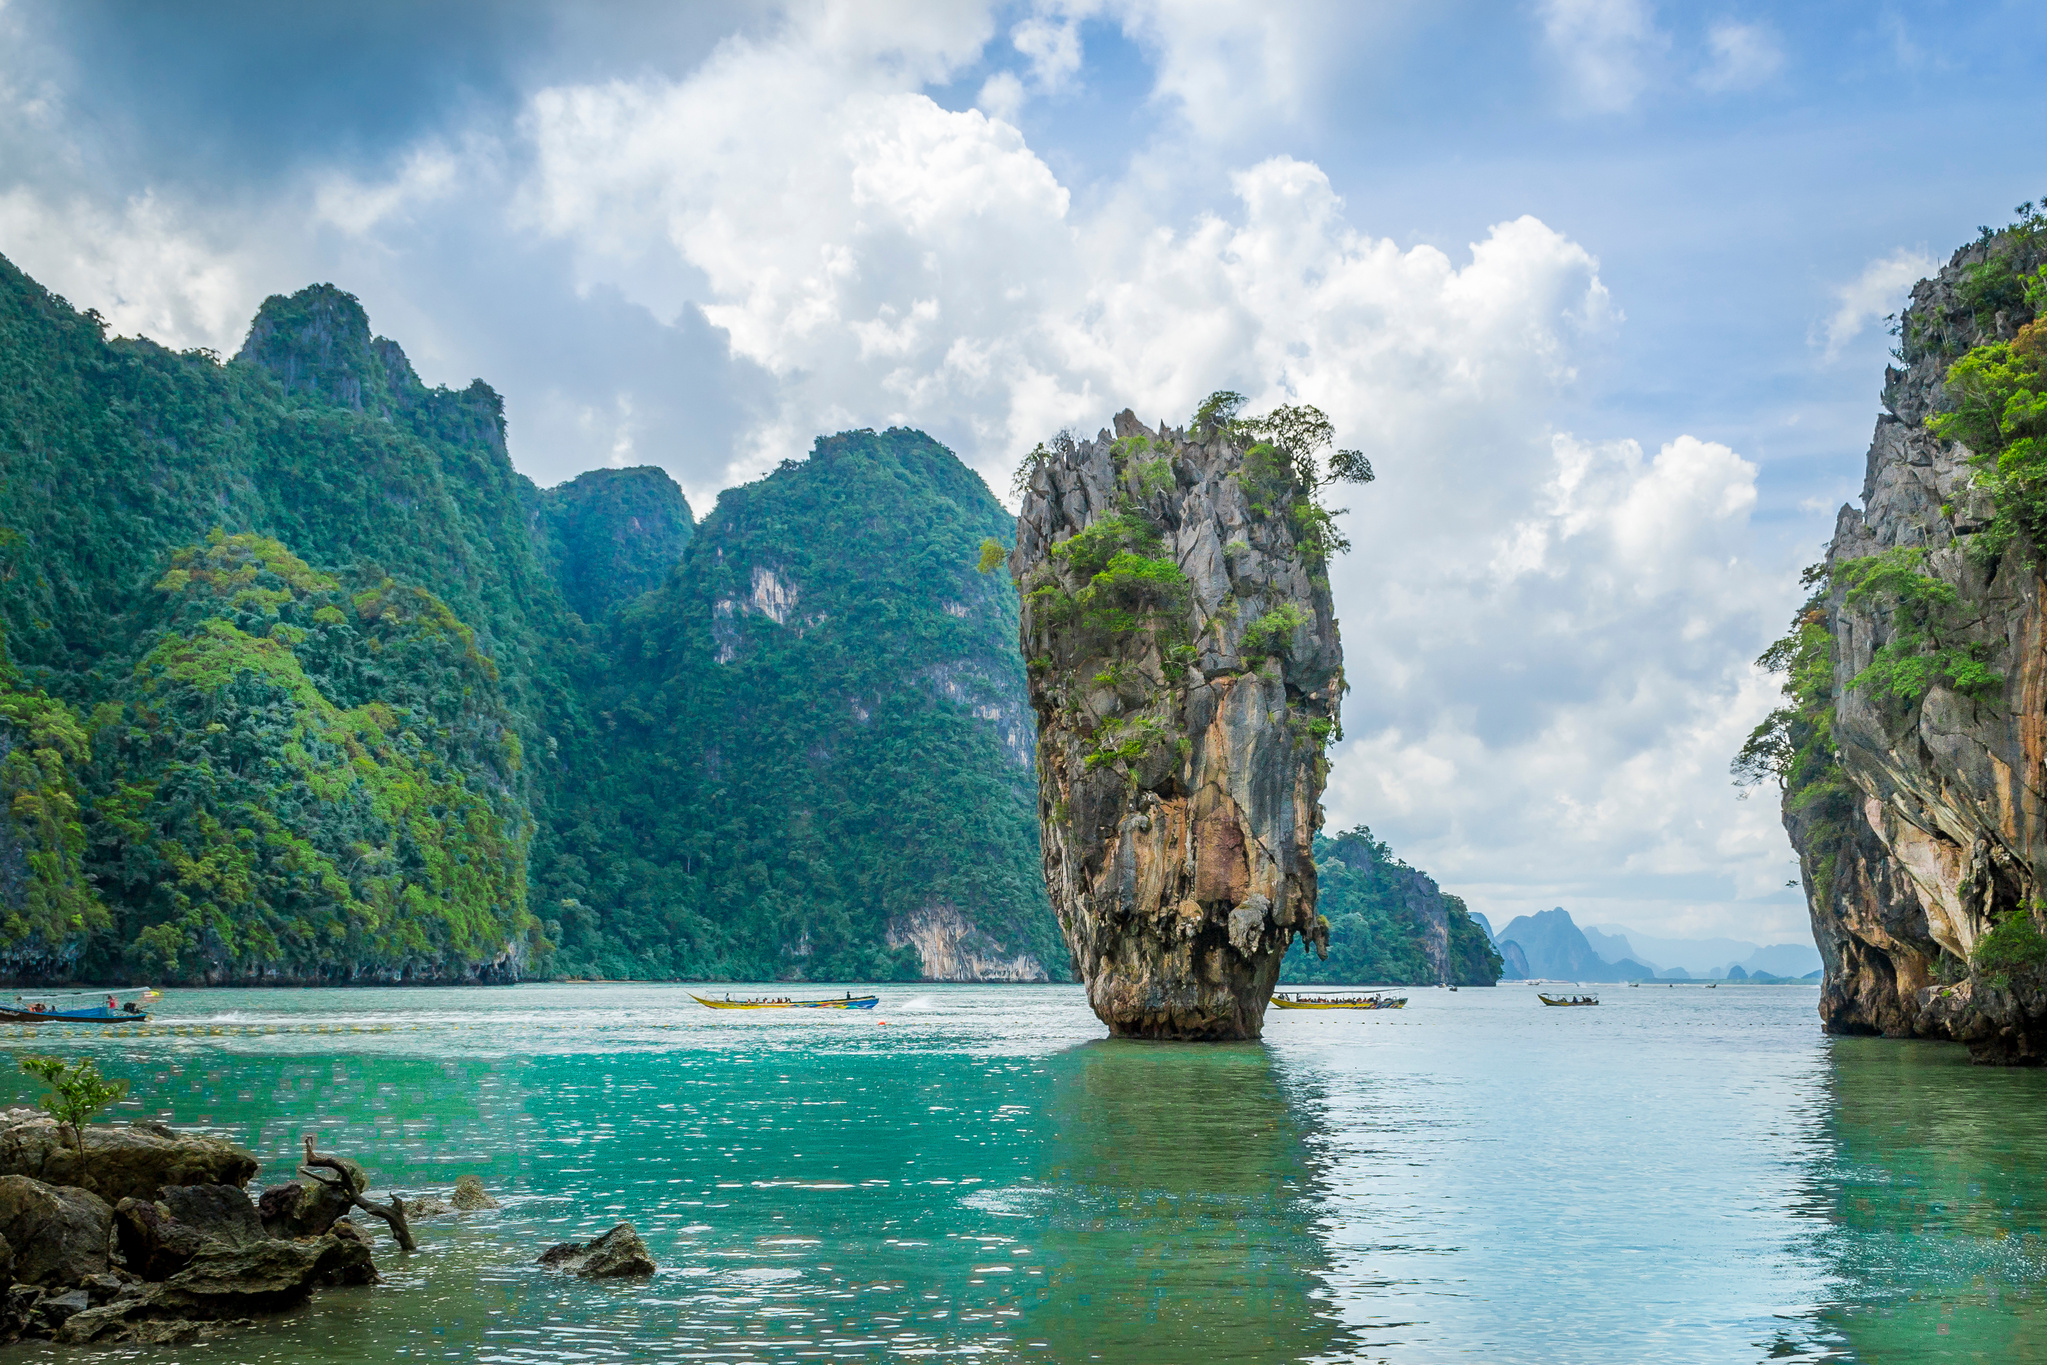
point(1598, 285)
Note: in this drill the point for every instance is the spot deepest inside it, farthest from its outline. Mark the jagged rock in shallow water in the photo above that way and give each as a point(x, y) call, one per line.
point(618, 1254)
point(470, 1195)
point(1185, 671)
point(1921, 820)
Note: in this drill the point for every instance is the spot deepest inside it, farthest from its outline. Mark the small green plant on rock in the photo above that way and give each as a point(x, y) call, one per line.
point(1273, 632)
point(77, 1091)
point(2014, 944)
point(1923, 649)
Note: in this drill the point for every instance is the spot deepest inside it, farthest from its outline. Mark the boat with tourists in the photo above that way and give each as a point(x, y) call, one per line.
point(1567, 1000)
point(1339, 1002)
point(776, 1002)
point(116, 1007)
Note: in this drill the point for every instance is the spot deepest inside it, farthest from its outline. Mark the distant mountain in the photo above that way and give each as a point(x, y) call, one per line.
point(1555, 947)
point(1702, 958)
point(1783, 959)
point(1616, 948)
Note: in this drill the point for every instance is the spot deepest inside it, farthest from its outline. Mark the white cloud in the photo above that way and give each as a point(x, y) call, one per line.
point(1878, 291)
point(1053, 47)
point(1744, 56)
point(1548, 638)
point(1606, 48)
point(147, 267)
point(1544, 702)
point(1229, 67)
point(427, 174)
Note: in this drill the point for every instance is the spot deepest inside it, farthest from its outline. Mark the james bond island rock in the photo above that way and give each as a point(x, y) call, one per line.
point(1185, 672)
point(1910, 751)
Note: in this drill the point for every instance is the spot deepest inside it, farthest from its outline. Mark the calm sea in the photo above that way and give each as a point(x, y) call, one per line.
point(975, 1172)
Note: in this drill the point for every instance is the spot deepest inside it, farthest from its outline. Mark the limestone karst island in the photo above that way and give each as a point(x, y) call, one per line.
point(1022, 680)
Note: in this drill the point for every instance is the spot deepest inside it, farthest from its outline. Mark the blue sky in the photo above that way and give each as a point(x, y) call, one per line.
point(1598, 283)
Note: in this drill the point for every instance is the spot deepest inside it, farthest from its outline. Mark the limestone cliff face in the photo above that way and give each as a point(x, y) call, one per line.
point(1929, 827)
point(1185, 672)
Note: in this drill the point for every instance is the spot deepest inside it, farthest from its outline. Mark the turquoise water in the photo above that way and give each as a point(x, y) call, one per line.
point(1679, 1175)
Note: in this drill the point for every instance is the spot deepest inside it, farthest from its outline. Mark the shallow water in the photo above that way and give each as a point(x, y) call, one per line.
point(1679, 1175)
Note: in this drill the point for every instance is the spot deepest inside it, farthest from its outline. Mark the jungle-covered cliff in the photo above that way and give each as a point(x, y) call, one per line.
point(303, 681)
point(1911, 744)
point(1389, 924)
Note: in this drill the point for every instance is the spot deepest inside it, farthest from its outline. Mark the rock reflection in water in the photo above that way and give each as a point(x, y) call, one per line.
point(1932, 1197)
point(1178, 1223)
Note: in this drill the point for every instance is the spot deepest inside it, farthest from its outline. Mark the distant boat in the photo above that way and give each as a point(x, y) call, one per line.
point(1340, 1002)
point(49, 1009)
point(770, 1002)
point(1567, 1000)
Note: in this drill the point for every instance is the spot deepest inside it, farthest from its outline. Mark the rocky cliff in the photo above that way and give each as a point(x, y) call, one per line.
point(1185, 672)
point(1911, 750)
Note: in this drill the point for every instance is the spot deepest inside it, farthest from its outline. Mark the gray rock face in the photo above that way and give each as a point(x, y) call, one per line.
point(59, 1234)
point(124, 1161)
point(159, 1238)
point(1180, 724)
point(618, 1254)
point(224, 1282)
point(1933, 824)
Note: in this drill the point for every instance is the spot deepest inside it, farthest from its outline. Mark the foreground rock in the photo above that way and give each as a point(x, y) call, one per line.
point(173, 1261)
point(470, 1195)
point(58, 1234)
point(618, 1254)
point(222, 1281)
point(120, 1161)
point(1919, 812)
point(1185, 671)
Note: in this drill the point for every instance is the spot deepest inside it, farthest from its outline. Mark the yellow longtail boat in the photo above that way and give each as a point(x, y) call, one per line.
point(1567, 1001)
point(771, 1002)
point(1339, 1002)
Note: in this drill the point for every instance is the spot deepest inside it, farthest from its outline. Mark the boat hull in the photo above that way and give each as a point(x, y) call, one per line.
point(102, 1016)
point(858, 1002)
point(1281, 1002)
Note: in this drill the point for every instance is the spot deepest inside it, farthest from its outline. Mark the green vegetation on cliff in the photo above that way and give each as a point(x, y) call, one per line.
point(1388, 923)
point(817, 735)
point(303, 780)
point(612, 534)
point(297, 684)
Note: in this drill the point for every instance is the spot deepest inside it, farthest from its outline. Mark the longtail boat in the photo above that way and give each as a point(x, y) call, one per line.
point(1567, 1000)
point(1339, 1002)
point(50, 1009)
point(847, 1002)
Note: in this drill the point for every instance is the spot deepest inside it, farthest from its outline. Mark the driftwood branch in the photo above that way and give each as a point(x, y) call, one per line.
point(393, 1213)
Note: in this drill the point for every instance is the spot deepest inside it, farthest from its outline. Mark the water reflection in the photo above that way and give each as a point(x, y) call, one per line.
point(1179, 1219)
point(1932, 1199)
